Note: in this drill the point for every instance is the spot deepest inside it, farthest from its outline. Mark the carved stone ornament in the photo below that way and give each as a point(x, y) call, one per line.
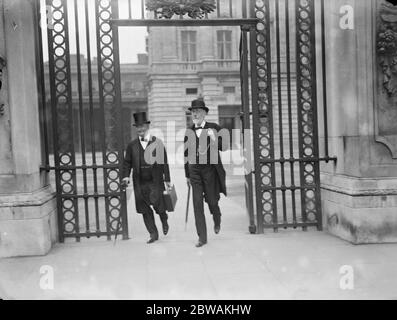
point(196, 9)
point(387, 46)
point(386, 75)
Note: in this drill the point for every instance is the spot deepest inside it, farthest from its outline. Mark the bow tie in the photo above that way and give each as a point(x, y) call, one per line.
point(144, 140)
point(198, 128)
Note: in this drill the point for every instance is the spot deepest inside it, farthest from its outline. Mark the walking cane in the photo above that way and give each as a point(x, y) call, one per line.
point(187, 205)
point(123, 188)
point(117, 229)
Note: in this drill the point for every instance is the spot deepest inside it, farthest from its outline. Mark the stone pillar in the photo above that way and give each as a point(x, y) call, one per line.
point(27, 205)
point(359, 193)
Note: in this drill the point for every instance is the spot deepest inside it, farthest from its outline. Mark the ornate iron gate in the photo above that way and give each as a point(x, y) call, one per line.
point(90, 200)
point(279, 103)
point(284, 108)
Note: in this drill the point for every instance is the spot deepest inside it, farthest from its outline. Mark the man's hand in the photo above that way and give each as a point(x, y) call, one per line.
point(188, 182)
point(125, 182)
point(168, 184)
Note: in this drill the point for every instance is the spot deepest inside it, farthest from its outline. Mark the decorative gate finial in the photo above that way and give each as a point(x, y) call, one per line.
point(195, 9)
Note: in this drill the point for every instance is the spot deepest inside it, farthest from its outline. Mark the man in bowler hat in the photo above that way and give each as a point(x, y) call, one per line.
point(204, 169)
point(147, 158)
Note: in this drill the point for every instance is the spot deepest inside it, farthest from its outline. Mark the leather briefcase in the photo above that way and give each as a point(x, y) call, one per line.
point(170, 198)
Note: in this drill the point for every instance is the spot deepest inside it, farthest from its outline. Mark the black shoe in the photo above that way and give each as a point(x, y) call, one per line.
point(152, 239)
point(217, 224)
point(166, 227)
point(200, 244)
point(217, 229)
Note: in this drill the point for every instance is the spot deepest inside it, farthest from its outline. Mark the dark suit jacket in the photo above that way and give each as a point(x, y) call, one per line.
point(221, 173)
point(161, 171)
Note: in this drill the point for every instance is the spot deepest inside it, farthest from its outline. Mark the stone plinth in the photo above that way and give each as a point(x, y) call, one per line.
point(359, 193)
point(27, 223)
point(360, 210)
point(27, 205)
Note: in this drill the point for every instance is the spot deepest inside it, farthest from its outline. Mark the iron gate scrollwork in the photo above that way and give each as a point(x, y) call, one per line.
point(64, 155)
point(286, 137)
point(307, 113)
point(109, 83)
point(262, 97)
point(80, 200)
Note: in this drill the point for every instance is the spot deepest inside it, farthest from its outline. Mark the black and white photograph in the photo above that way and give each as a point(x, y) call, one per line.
point(223, 151)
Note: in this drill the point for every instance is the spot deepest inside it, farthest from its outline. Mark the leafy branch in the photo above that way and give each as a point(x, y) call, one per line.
point(195, 9)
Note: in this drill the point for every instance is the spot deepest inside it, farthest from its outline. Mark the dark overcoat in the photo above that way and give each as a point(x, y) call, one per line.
point(221, 146)
point(161, 172)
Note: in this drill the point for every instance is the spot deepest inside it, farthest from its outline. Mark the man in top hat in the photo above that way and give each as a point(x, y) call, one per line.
point(147, 157)
point(203, 168)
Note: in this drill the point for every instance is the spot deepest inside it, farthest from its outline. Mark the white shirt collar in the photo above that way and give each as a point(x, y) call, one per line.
point(147, 137)
point(202, 124)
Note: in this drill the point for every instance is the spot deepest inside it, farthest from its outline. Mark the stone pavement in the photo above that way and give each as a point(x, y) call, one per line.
point(234, 264)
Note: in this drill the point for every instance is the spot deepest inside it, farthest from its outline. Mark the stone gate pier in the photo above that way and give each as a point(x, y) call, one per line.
point(27, 204)
point(359, 194)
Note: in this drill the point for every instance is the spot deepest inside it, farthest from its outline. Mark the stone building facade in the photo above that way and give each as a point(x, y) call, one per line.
point(191, 62)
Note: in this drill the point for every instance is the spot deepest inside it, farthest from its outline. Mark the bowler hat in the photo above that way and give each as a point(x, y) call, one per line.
point(140, 118)
point(198, 104)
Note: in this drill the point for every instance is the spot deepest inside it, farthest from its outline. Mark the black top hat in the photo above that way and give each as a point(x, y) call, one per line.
point(140, 118)
point(198, 104)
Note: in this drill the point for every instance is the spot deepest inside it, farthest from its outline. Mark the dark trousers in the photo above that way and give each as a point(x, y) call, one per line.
point(148, 219)
point(205, 185)
point(152, 199)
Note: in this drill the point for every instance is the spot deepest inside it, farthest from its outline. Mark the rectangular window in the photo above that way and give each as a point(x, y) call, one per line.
point(224, 44)
point(229, 89)
point(191, 91)
point(189, 46)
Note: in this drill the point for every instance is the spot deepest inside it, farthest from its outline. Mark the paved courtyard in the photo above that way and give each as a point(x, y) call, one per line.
point(234, 265)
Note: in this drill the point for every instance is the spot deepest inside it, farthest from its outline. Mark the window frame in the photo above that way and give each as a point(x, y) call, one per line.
point(191, 91)
point(189, 46)
point(225, 45)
